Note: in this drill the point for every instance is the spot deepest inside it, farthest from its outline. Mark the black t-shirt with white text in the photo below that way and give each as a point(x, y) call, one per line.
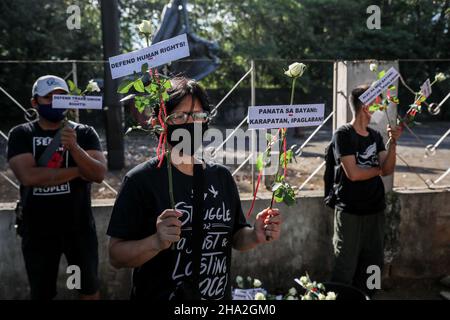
point(359, 197)
point(144, 195)
point(55, 209)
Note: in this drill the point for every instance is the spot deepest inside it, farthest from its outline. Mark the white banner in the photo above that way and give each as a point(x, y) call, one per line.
point(285, 116)
point(374, 91)
point(156, 55)
point(61, 101)
point(247, 294)
point(426, 88)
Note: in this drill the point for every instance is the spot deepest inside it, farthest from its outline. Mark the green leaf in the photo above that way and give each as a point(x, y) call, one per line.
point(289, 155)
point(144, 68)
point(167, 84)
point(125, 86)
point(392, 87)
point(260, 162)
point(139, 104)
point(139, 86)
point(289, 197)
point(289, 200)
point(165, 96)
point(395, 100)
point(381, 74)
point(72, 85)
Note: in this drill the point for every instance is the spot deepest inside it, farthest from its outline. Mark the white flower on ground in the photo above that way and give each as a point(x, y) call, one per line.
point(373, 67)
point(331, 296)
point(290, 298)
point(440, 77)
point(240, 281)
point(292, 291)
point(295, 70)
point(307, 297)
point(257, 283)
point(322, 296)
point(145, 27)
point(92, 86)
point(260, 296)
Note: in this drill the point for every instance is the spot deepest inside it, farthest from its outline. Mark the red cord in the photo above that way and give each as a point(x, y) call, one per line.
point(254, 196)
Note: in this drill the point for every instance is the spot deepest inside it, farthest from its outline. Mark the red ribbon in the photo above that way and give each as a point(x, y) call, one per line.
point(162, 115)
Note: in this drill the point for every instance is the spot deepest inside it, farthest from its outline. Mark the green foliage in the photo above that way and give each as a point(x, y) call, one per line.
point(283, 192)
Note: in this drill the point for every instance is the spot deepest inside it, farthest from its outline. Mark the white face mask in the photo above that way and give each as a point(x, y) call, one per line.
point(377, 117)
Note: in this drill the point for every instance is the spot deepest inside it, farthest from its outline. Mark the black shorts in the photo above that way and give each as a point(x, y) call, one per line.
point(42, 254)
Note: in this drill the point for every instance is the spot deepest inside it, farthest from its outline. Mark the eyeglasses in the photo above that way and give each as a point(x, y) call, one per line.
point(182, 117)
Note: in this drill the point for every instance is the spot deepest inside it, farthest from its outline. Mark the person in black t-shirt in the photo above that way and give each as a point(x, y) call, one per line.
point(56, 198)
point(360, 202)
point(157, 241)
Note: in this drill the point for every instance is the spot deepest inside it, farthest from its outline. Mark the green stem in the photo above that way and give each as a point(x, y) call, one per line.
point(283, 136)
point(293, 90)
point(279, 165)
point(147, 39)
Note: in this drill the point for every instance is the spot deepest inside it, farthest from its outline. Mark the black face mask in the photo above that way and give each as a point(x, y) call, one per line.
point(190, 128)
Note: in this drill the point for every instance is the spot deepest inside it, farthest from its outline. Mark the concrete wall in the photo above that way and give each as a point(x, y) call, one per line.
point(418, 245)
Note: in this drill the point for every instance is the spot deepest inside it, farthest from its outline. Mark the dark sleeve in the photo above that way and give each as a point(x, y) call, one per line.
point(380, 143)
point(239, 217)
point(127, 216)
point(343, 145)
point(18, 142)
point(90, 140)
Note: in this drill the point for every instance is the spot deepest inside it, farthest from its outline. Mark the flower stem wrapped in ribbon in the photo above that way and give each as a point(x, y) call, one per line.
point(282, 191)
point(152, 93)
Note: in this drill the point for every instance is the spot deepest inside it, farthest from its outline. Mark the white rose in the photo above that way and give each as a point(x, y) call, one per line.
point(92, 86)
point(290, 298)
point(295, 70)
point(331, 296)
point(322, 296)
point(304, 280)
point(292, 291)
point(260, 296)
point(145, 27)
point(239, 281)
point(257, 283)
point(373, 67)
point(307, 297)
point(440, 77)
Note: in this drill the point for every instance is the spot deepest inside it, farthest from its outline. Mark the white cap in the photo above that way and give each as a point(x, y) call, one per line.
point(47, 84)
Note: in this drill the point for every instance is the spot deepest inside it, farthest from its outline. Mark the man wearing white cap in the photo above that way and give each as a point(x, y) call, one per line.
point(55, 179)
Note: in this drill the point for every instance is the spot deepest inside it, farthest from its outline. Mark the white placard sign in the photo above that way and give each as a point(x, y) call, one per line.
point(375, 90)
point(61, 101)
point(285, 116)
point(425, 89)
point(156, 55)
point(247, 294)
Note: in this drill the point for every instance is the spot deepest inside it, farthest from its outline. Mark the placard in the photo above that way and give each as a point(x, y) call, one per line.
point(375, 90)
point(285, 116)
point(62, 101)
point(156, 55)
point(425, 89)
